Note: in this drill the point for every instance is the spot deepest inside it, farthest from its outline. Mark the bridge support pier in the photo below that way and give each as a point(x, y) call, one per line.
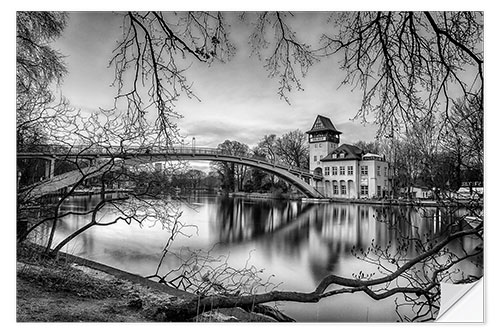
point(49, 168)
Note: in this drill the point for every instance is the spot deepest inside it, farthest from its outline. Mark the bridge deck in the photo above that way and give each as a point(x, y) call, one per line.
point(115, 152)
point(144, 155)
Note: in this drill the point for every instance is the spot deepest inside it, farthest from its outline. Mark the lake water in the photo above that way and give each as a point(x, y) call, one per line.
point(298, 243)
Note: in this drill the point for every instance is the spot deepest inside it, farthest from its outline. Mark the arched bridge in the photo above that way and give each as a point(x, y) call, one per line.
point(301, 178)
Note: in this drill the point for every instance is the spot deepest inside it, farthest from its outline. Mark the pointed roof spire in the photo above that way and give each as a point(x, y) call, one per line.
point(321, 124)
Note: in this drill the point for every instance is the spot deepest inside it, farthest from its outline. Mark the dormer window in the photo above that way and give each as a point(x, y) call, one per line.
point(334, 155)
point(342, 155)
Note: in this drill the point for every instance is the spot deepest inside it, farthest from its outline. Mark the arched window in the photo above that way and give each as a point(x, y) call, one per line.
point(343, 187)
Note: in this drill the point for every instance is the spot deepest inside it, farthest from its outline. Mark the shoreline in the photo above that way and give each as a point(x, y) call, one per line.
point(377, 202)
point(95, 292)
point(365, 201)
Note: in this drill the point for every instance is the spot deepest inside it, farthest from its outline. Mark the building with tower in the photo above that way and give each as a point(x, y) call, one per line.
point(348, 171)
point(323, 139)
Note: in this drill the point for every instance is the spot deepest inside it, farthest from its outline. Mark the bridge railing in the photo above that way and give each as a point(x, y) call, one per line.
point(83, 150)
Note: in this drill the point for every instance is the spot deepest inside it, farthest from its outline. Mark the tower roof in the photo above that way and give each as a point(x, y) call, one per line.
point(323, 124)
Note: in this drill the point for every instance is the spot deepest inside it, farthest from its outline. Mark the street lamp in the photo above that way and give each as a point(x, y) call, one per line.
point(194, 143)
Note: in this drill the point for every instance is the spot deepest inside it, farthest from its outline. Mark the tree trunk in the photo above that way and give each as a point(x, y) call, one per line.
point(71, 237)
point(195, 306)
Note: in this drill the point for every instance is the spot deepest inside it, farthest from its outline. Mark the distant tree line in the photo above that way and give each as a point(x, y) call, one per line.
point(437, 156)
point(290, 148)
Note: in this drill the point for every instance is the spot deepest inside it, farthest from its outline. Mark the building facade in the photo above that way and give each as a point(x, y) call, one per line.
point(348, 172)
point(323, 139)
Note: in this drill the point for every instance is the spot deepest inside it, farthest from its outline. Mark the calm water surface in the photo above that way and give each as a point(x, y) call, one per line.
point(299, 243)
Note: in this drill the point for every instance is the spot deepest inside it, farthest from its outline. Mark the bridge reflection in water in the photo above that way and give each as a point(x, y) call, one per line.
point(298, 242)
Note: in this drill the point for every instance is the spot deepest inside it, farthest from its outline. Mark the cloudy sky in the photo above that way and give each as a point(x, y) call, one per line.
point(238, 99)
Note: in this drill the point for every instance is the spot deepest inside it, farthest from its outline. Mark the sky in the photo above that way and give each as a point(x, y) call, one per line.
point(238, 99)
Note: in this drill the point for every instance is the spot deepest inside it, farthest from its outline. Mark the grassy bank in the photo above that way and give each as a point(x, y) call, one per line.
point(64, 290)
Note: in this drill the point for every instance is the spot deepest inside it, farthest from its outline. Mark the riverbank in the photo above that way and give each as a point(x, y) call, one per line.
point(406, 202)
point(366, 201)
point(273, 196)
point(73, 289)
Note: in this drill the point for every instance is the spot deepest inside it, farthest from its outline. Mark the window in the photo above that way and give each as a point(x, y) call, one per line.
point(327, 171)
point(315, 158)
point(385, 171)
point(378, 170)
point(334, 155)
point(320, 145)
point(342, 170)
point(315, 145)
point(350, 170)
point(379, 191)
point(335, 189)
point(334, 171)
point(364, 189)
point(342, 155)
point(364, 170)
point(343, 189)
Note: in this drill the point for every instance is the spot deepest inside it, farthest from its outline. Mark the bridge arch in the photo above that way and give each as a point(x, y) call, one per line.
point(298, 177)
point(291, 175)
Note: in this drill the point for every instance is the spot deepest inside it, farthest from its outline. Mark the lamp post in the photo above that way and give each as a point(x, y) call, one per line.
point(194, 143)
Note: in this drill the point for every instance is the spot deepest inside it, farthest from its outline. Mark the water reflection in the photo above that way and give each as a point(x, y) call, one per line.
point(327, 232)
point(298, 242)
point(238, 220)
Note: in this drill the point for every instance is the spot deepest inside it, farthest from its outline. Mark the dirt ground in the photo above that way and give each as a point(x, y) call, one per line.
point(48, 291)
point(66, 295)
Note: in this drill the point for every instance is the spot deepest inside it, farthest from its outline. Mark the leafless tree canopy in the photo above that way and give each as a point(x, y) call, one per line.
point(156, 50)
point(410, 65)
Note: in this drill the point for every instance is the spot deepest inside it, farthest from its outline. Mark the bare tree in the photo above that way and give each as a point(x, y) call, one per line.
point(233, 175)
point(108, 135)
point(409, 64)
point(292, 149)
point(156, 50)
point(50, 127)
point(267, 148)
point(417, 278)
point(289, 59)
point(464, 137)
